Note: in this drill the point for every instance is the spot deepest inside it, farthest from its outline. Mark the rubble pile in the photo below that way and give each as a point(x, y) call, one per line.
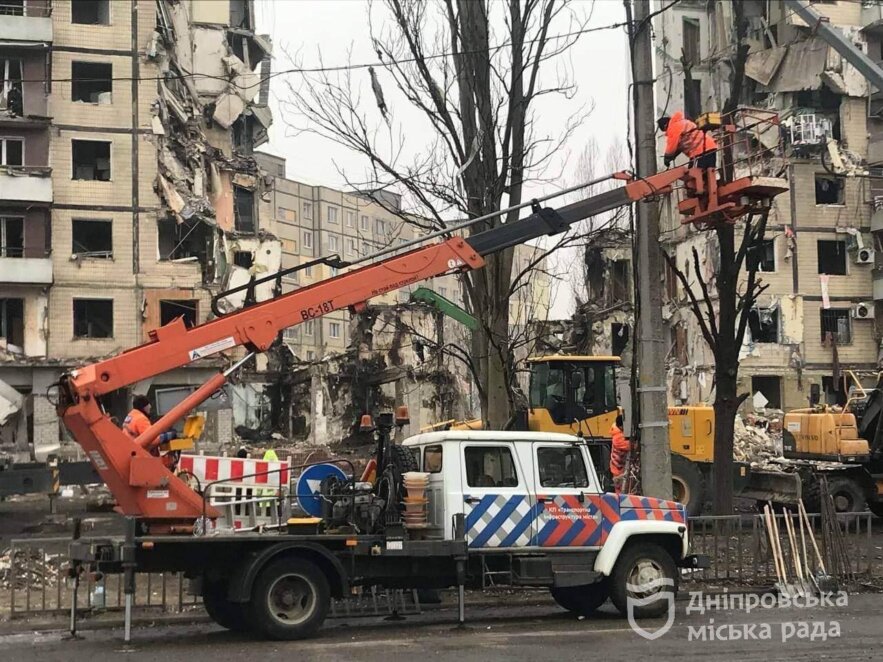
point(30, 567)
point(759, 442)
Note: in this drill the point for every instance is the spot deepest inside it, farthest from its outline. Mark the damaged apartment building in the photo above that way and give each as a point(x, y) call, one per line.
point(820, 259)
point(129, 195)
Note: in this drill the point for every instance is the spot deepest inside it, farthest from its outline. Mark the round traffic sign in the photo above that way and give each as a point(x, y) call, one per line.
point(307, 487)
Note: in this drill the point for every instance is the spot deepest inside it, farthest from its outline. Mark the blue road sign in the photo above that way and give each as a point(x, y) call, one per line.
point(307, 487)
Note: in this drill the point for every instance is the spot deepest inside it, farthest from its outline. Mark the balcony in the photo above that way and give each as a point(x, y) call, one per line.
point(24, 184)
point(26, 270)
point(25, 22)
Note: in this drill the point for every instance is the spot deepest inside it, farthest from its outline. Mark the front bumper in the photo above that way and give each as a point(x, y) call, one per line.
point(695, 561)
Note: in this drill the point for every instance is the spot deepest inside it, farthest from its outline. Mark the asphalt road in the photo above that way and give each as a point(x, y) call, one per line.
point(525, 632)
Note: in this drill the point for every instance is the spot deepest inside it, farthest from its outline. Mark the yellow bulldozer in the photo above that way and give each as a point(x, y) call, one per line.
point(577, 395)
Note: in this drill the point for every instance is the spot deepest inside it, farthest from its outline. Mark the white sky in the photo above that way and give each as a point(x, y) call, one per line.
point(338, 29)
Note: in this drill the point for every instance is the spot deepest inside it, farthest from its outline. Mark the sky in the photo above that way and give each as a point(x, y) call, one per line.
point(335, 32)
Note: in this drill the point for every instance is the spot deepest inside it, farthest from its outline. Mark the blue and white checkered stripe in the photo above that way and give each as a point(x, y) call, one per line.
point(499, 520)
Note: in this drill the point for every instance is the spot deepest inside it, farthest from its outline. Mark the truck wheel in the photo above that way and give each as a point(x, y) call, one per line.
point(403, 459)
point(687, 484)
point(289, 600)
point(643, 570)
point(227, 614)
point(582, 600)
point(848, 495)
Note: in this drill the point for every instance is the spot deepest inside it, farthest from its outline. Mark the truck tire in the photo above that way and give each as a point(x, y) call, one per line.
point(229, 615)
point(642, 563)
point(687, 484)
point(583, 600)
point(403, 459)
point(289, 600)
point(848, 495)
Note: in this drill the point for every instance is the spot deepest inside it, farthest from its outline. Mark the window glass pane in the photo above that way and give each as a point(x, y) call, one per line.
point(490, 466)
point(561, 467)
point(432, 459)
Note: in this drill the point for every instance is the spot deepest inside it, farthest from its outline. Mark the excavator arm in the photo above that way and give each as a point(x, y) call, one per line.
point(141, 484)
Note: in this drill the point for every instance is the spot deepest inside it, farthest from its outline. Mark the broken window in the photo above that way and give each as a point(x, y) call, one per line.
point(91, 82)
point(92, 238)
point(835, 394)
point(11, 98)
point(287, 215)
point(334, 329)
point(12, 321)
point(184, 241)
point(691, 40)
point(12, 8)
point(830, 190)
point(12, 151)
point(620, 272)
point(239, 17)
point(93, 318)
point(244, 199)
point(332, 215)
point(12, 236)
point(90, 12)
point(764, 324)
point(692, 97)
point(243, 259)
point(836, 321)
point(766, 255)
point(619, 338)
point(171, 309)
point(91, 160)
point(770, 388)
point(832, 257)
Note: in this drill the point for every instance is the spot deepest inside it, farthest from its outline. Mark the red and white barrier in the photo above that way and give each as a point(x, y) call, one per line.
point(238, 471)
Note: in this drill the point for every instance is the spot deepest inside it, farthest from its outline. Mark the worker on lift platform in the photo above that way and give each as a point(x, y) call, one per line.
point(138, 421)
point(683, 136)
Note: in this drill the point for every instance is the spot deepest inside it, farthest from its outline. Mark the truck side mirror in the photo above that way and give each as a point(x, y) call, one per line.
point(576, 379)
point(815, 394)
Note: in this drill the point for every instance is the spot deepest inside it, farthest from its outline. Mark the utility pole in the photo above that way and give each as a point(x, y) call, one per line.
point(652, 346)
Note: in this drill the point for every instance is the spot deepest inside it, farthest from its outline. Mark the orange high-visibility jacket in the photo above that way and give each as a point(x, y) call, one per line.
point(682, 135)
point(619, 451)
point(136, 423)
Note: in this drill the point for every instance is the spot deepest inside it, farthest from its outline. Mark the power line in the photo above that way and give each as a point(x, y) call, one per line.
point(380, 63)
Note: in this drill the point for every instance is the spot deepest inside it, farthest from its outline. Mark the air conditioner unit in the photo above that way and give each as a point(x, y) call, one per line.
point(863, 311)
point(864, 256)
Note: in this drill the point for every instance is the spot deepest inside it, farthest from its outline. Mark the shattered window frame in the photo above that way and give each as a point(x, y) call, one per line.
point(825, 250)
point(6, 321)
point(829, 322)
point(77, 82)
point(838, 182)
point(87, 325)
point(4, 150)
point(766, 256)
point(7, 250)
point(765, 384)
point(99, 4)
point(74, 143)
point(692, 52)
point(190, 313)
point(765, 332)
point(245, 216)
point(80, 251)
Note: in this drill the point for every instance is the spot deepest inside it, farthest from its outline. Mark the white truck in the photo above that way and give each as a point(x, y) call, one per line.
point(520, 508)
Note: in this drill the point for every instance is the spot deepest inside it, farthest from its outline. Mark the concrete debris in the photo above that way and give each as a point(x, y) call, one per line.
point(759, 442)
point(23, 568)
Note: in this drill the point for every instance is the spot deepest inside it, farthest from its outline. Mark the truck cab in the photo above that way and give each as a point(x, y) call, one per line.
point(535, 512)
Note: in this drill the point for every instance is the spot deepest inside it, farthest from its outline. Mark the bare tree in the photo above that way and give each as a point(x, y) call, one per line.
point(477, 93)
point(722, 312)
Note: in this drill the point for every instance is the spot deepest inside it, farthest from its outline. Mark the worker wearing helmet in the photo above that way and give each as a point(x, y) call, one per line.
point(138, 421)
point(619, 452)
point(682, 136)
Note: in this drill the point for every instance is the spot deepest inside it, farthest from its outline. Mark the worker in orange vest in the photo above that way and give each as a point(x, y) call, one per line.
point(682, 136)
point(619, 452)
point(138, 421)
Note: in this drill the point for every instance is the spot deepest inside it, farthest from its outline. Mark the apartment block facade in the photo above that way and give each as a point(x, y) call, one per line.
point(128, 193)
point(317, 221)
point(821, 257)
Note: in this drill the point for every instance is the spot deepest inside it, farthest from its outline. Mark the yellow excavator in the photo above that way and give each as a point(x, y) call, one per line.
point(577, 395)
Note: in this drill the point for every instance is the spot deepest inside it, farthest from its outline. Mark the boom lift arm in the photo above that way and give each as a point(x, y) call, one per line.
point(141, 484)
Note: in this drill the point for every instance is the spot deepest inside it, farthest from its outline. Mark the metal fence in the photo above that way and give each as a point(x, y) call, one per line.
point(739, 549)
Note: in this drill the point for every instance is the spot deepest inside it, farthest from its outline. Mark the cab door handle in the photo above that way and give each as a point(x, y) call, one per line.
point(542, 499)
point(471, 499)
